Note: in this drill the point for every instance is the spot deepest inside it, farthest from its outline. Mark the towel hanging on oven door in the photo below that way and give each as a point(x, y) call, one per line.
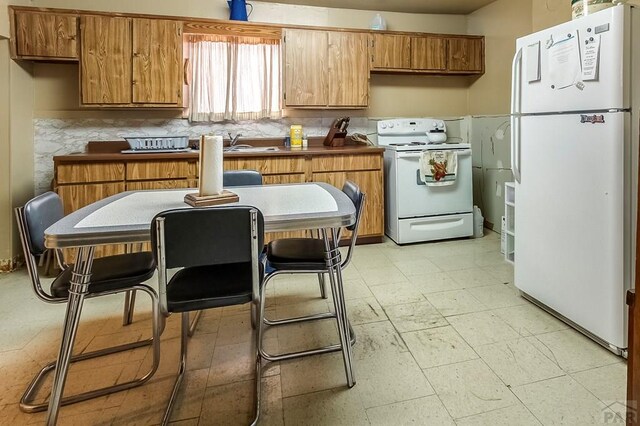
point(438, 168)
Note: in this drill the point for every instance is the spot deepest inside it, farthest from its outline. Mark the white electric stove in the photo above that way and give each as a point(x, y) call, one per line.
point(415, 212)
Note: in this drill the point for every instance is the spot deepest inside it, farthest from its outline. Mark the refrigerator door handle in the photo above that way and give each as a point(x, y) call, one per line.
point(516, 86)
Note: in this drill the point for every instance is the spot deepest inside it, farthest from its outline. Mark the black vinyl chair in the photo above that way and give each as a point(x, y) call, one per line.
point(109, 275)
point(306, 255)
point(241, 178)
point(231, 178)
point(217, 250)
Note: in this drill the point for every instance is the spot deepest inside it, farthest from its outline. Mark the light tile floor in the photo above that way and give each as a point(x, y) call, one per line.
point(443, 339)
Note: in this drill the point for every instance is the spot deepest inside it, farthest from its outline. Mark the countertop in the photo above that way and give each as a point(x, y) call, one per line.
point(312, 150)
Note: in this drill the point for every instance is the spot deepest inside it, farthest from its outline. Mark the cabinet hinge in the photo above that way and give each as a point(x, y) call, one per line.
point(284, 39)
point(284, 96)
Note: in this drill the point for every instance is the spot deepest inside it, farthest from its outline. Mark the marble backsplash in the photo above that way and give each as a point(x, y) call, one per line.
point(63, 136)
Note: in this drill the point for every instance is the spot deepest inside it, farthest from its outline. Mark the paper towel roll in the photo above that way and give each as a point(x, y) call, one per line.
point(211, 166)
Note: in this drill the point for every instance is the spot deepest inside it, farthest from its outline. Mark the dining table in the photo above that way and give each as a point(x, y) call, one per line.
point(125, 218)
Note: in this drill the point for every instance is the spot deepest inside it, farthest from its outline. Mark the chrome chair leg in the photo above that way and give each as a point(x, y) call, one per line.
point(323, 286)
point(262, 321)
point(258, 307)
point(184, 335)
point(194, 322)
point(48, 254)
point(129, 304)
point(26, 402)
point(77, 292)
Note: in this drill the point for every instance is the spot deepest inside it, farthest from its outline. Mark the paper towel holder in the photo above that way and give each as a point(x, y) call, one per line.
point(199, 199)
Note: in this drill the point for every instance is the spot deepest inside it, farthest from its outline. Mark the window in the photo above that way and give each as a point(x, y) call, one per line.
point(233, 78)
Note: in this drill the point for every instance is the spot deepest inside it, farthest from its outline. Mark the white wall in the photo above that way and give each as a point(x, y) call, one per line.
point(501, 22)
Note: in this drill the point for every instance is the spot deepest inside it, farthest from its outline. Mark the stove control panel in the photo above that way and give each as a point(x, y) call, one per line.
point(410, 126)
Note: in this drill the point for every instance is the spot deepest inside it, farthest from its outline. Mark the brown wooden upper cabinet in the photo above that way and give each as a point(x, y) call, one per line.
point(305, 60)
point(157, 61)
point(48, 36)
point(466, 54)
point(325, 69)
point(348, 70)
point(105, 60)
point(130, 62)
point(390, 51)
point(429, 53)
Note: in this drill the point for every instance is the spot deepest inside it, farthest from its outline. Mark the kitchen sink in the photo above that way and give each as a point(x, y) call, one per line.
point(249, 148)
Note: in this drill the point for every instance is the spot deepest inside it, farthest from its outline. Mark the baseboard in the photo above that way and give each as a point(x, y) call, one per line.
point(9, 265)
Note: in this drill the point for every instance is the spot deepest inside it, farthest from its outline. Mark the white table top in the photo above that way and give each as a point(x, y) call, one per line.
point(126, 217)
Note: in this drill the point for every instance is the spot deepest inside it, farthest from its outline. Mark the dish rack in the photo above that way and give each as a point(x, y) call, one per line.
point(158, 143)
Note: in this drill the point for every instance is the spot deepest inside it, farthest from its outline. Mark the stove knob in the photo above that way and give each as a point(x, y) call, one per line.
point(383, 126)
point(391, 125)
point(441, 125)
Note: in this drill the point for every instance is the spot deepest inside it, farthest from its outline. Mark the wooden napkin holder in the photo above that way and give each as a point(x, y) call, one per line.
point(335, 137)
point(196, 200)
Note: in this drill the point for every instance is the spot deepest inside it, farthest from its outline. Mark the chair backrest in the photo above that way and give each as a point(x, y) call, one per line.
point(207, 236)
point(357, 197)
point(241, 178)
point(38, 214)
point(33, 219)
point(185, 238)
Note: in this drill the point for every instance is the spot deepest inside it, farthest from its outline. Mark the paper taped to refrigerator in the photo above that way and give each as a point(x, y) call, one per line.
point(564, 62)
point(533, 62)
point(591, 59)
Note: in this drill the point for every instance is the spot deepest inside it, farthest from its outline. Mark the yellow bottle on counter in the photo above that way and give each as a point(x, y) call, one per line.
point(296, 136)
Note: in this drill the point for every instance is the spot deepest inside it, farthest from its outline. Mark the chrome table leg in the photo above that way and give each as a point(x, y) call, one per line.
point(77, 290)
point(332, 257)
point(340, 297)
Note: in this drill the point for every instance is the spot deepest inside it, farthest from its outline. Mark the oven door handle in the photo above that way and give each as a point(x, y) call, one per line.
point(461, 152)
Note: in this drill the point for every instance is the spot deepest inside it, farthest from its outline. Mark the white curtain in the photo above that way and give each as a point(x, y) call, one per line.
point(233, 78)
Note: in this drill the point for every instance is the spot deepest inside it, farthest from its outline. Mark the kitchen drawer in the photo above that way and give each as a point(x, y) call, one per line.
point(157, 184)
point(341, 163)
point(283, 179)
point(89, 172)
point(267, 165)
point(75, 197)
point(144, 170)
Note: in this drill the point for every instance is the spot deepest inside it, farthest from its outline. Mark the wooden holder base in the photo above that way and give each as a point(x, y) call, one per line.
point(211, 200)
point(335, 137)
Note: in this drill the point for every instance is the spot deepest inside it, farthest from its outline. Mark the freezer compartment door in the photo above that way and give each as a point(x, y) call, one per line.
point(569, 227)
point(557, 74)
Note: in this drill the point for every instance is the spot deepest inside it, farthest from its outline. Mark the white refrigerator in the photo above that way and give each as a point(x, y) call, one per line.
point(574, 154)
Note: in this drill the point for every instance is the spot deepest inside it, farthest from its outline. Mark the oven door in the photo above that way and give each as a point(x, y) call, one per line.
point(416, 199)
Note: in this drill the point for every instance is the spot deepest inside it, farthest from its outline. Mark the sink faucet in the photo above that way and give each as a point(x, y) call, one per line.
point(233, 139)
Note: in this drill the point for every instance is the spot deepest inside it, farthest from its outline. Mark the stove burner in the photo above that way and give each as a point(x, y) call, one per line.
point(409, 144)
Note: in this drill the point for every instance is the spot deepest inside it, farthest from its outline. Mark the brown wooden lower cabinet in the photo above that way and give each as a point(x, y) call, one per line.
point(76, 182)
point(157, 184)
point(77, 196)
point(371, 183)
